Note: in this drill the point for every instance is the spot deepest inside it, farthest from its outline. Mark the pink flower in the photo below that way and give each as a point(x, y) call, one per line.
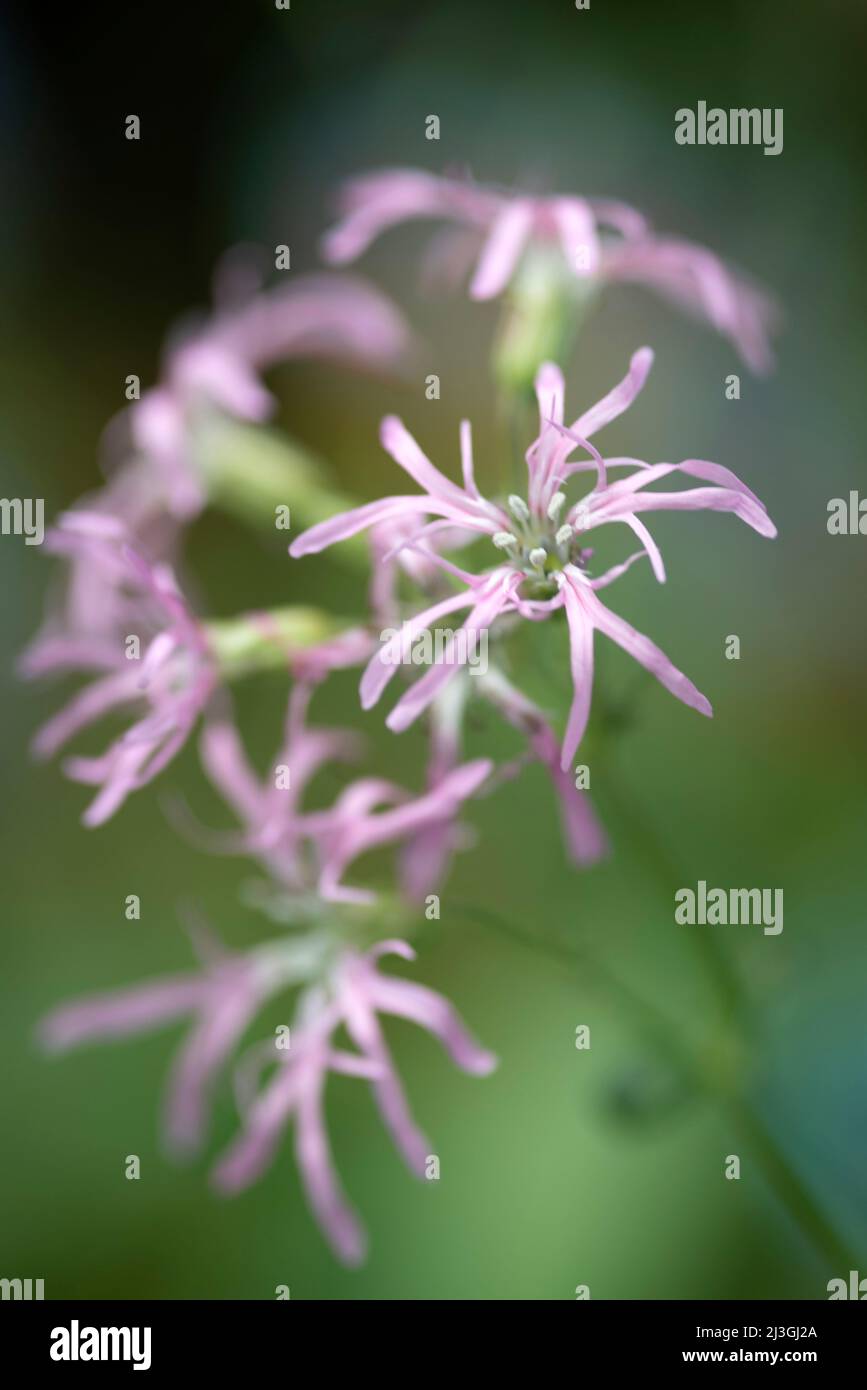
point(357, 994)
point(269, 807)
point(393, 557)
point(222, 999)
point(219, 364)
point(372, 812)
point(544, 563)
point(216, 365)
point(309, 851)
point(92, 610)
point(599, 239)
point(426, 855)
point(173, 680)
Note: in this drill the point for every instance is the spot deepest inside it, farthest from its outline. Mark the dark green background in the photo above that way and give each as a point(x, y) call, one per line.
point(250, 116)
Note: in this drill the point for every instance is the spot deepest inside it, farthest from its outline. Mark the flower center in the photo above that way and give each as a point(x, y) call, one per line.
point(538, 550)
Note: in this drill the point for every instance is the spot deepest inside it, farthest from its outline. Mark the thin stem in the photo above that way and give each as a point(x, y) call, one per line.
point(656, 1025)
point(713, 956)
point(783, 1178)
point(788, 1186)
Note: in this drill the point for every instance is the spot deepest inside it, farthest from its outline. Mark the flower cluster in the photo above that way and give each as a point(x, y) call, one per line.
point(543, 563)
point(121, 618)
point(494, 234)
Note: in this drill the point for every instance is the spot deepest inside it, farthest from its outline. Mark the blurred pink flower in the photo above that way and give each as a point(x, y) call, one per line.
point(218, 364)
point(583, 833)
point(541, 540)
point(426, 855)
point(311, 850)
point(356, 995)
point(372, 812)
point(90, 610)
point(598, 238)
point(222, 998)
point(152, 493)
point(269, 807)
point(696, 280)
point(173, 679)
point(393, 557)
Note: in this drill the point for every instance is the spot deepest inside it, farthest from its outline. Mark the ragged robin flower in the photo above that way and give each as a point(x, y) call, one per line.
point(543, 560)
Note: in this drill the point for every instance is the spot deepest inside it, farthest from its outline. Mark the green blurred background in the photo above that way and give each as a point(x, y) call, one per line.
point(566, 1167)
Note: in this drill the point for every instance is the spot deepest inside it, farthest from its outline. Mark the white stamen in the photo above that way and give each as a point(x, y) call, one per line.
point(519, 508)
point(564, 535)
point(555, 506)
point(504, 540)
point(538, 557)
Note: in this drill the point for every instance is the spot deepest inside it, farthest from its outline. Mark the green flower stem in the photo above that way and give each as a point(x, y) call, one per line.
point(543, 310)
point(268, 641)
point(713, 956)
point(738, 1014)
point(258, 475)
point(790, 1189)
point(658, 1029)
point(651, 1022)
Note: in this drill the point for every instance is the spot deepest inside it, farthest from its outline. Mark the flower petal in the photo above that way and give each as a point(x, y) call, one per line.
point(550, 391)
point(85, 708)
point(230, 1007)
point(363, 1028)
point(696, 468)
point(387, 659)
point(581, 663)
point(502, 250)
point(620, 398)
point(253, 1149)
point(375, 202)
point(434, 1013)
point(121, 1013)
point(467, 460)
point(330, 1207)
point(698, 281)
point(397, 441)
point(486, 609)
point(578, 237)
point(651, 548)
point(346, 524)
point(645, 652)
point(713, 499)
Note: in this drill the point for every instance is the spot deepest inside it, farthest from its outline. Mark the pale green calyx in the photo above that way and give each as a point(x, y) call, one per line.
point(268, 640)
